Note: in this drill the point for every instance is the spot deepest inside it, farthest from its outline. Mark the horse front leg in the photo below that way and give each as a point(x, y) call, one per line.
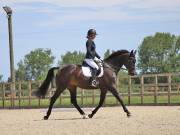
point(101, 101)
point(119, 98)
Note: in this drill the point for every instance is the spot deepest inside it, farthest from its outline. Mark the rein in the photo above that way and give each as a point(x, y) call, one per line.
point(105, 65)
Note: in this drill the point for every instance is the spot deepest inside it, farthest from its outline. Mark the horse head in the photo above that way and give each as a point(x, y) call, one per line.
point(123, 57)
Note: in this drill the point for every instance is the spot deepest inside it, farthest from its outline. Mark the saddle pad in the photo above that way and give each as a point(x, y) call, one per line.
point(87, 72)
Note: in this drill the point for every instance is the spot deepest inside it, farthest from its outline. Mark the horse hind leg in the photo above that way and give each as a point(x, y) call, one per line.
point(73, 93)
point(52, 101)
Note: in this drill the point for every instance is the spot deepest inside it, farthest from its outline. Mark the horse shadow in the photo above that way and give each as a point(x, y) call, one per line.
point(68, 119)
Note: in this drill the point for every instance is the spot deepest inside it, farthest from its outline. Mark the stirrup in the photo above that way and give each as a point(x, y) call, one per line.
point(94, 83)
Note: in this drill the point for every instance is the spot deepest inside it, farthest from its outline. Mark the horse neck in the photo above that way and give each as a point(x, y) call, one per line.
point(117, 62)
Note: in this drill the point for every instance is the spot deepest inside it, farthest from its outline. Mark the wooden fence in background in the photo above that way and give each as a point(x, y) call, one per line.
point(149, 89)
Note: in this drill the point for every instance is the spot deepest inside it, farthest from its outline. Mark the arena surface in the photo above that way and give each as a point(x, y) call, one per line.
point(149, 120)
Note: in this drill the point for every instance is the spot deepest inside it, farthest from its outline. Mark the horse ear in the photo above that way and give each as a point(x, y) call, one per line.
point(131, 53)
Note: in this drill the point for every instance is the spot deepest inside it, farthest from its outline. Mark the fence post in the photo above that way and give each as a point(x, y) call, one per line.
point(29, 88)
point(93, 97)
point(117, 82)
point(82, 97)
point(156, 89)
point(11, 94)
point(3, 95)
point(129, 90)
point(169, 89)
point(19, 88)
point(39, 99)
point(142, 89)
point(60, 99)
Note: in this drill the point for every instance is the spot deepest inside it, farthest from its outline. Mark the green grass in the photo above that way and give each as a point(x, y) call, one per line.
point(162, 99)
point(148, 99)
point(88, 101)
point(175, 99)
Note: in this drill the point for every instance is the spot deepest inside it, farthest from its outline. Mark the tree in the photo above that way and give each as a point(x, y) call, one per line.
point(175, 56)
point(21, 71)
point(159, 53)
point(1, 76)
point(35, 65)
point(107, 53)
point(72, 58)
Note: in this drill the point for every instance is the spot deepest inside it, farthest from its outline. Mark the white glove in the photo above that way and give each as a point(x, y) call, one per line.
point(101, 60)
point(97, 60)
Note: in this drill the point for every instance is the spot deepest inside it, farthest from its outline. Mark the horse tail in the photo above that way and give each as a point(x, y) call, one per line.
point(41, 92)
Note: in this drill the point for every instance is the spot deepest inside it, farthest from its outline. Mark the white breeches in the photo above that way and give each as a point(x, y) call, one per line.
point(91, 63)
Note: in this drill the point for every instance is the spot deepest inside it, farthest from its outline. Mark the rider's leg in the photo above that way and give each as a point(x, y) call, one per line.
point(93, 78)
point(91, 63)
point(95, 68)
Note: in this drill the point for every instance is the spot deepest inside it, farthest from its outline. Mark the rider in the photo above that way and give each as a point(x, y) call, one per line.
point(92, 56)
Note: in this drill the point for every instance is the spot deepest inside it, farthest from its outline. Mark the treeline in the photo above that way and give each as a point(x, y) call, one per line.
point(156, 54)
point(35, 65)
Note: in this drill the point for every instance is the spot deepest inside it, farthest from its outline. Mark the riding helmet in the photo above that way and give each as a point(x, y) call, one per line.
point(91, 31)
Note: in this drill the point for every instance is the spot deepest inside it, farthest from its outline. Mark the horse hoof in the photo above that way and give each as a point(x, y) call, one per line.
point(128, 115)
point(45, 117)
point(90, 116)
point(85, 116)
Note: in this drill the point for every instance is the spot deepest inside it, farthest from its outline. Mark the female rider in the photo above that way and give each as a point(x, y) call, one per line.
point(92, 56)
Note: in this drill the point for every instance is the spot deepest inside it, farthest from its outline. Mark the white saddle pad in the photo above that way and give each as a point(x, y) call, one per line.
point(87, 72)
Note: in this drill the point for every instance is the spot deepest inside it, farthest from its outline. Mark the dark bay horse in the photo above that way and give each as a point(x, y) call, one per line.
point(71, 77)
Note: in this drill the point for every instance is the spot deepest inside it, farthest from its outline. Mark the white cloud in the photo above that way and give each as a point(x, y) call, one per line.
point(89, 16)
point(67, 11)
point(166, 4)
point(102, 3)
point(70, 3)
point(53, 6)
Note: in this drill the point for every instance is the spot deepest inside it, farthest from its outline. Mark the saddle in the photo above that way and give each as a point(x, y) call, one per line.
point(87, 70)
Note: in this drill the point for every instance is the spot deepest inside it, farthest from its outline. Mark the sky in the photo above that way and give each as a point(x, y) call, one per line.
point(61, 25)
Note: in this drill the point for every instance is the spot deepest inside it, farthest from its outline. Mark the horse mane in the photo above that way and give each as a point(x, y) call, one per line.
point(117, 53)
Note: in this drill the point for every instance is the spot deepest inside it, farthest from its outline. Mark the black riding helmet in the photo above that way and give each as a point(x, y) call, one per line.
point(91, 31)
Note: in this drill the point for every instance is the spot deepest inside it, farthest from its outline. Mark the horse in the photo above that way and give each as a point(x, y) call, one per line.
point(70, 77)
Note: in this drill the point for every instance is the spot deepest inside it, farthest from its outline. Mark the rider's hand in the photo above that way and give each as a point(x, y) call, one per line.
point(100, 60)
point(96, 59)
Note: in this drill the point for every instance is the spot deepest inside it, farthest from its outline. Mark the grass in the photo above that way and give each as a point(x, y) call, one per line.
point(88, 101)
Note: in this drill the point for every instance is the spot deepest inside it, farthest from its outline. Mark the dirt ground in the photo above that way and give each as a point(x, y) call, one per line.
point(148, 120)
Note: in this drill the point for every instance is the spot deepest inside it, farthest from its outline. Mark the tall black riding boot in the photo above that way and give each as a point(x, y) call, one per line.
point(93, 78)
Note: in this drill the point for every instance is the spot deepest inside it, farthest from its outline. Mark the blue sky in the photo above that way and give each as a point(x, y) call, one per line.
point(61, 25)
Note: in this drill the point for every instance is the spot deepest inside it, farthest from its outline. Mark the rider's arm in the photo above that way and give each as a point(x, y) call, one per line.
point(97, 56)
